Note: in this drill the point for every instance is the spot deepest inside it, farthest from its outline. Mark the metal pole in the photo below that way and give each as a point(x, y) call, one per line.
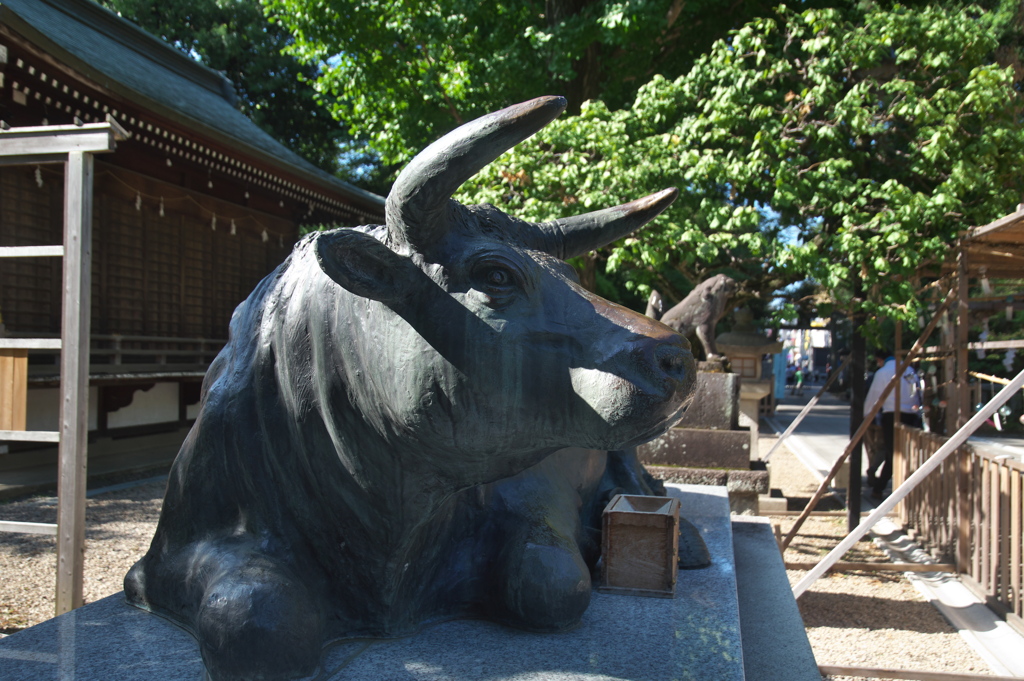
point(74, 380)
point(858, 353)
point(909, 484)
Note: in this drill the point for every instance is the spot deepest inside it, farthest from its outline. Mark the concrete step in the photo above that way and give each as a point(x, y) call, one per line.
point(775, 645)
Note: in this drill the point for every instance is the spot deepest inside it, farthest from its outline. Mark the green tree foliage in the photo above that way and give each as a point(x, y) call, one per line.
point(275, 90)
point(404, 73)
point(602, 158)
point(871, 137)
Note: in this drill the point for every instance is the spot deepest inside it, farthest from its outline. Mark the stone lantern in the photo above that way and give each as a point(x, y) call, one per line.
point(745, 348)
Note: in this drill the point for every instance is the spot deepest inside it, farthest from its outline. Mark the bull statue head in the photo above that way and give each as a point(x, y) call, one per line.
point(378, 443)
point(538, 362)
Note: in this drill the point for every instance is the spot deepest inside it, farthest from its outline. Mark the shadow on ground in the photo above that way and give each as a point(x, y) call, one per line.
point(849, 611)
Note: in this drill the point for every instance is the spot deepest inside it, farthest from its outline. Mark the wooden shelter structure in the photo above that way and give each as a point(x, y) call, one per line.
point(191, 210)
point(985, 254)
point(190, 205)
point(971, 510)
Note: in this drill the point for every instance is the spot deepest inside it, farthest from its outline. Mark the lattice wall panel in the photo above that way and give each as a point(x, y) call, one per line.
point(163, 274)
point(118, 238)
point(197, 260)
point(168, 275)
point(30, 215)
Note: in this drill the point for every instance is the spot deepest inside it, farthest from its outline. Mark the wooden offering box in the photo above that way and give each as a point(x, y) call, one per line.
point(639, 546)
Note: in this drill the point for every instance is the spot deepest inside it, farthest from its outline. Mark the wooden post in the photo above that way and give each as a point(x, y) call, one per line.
point(959, 403)
point(858, 352)
point(963, 393)
point(73, 145)
point(897, 417)
point(74, 380)
point(964, 513)
point(897, 394)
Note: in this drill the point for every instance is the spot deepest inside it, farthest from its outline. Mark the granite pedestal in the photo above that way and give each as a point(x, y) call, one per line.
point(709, 440)
point(696, 635)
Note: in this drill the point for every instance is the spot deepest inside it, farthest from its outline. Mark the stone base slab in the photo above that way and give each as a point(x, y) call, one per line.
point(695, 635)
point(744, 486)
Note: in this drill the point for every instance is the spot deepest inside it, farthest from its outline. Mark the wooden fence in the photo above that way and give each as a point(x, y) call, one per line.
point(970, 512)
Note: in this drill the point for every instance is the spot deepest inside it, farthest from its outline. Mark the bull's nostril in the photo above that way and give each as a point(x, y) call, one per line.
point(672, 359)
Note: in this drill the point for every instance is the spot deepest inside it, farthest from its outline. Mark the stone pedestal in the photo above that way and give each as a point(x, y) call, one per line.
point(715, 404)
point(698, 448)
point(710, 444)
point(735, 620)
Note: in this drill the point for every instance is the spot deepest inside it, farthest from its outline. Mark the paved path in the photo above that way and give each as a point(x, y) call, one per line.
point(818, 441)
point(823, 434)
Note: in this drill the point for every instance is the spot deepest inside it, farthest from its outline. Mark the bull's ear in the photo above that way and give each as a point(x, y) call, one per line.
point(365, 266)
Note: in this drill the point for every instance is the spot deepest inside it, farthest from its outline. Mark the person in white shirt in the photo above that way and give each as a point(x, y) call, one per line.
point(910, 414)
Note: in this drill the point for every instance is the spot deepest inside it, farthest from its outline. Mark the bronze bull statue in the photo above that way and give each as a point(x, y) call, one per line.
point(376, 444)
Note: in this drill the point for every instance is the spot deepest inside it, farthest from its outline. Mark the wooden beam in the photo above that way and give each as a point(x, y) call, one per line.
point(56, 140)
point(29, 436)
point(996, 345)
point(31, 251)
point(910, 674)
point(29, 343)
point(74, 381)
point(814, 514)
point(28, 528)
point(996, 225)
point(877, 567)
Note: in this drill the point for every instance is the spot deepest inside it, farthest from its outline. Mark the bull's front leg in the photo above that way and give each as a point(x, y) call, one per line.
point(252, 617)
point(259, 622)
point(541, 581)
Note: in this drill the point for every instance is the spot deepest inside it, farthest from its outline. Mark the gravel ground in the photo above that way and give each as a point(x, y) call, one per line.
point(118, 529)
point(855, 619)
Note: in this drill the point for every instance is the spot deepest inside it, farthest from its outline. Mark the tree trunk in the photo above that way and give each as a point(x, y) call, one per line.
point(586, 84)
point(588, 273)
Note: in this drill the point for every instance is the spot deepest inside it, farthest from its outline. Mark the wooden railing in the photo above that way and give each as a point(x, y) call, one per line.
point(118, 349)
point(134, 354)
point(970, 511)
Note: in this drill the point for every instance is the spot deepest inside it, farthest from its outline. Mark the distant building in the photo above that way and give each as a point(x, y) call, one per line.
point(189, 213)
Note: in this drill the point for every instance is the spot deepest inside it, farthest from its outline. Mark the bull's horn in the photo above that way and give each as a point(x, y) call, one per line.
point(416, 209)
point(569, 237)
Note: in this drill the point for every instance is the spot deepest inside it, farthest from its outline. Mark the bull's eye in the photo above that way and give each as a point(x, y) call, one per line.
point(499, 278)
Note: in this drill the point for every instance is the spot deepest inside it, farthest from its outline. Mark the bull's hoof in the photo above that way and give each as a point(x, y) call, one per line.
point(693, 552)
point(135, 585)
point(547, 588)
point(258, 625)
